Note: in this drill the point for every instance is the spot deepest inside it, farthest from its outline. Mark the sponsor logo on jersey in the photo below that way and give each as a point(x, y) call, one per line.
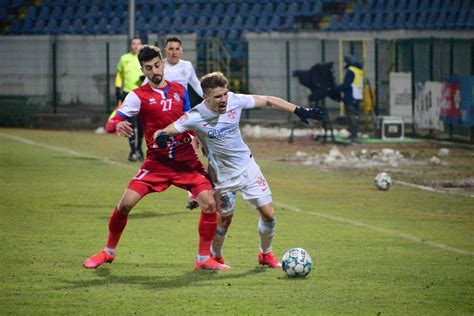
point(176, 97)
point(262, 183)
point(225, 131)
point(152, 101)
point(232, 114)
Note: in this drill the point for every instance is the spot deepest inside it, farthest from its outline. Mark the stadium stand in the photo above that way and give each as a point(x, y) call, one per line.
point(229, 20)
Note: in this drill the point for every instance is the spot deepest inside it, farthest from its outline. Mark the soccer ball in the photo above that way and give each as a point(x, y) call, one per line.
point(383, 181)
point(297, 263)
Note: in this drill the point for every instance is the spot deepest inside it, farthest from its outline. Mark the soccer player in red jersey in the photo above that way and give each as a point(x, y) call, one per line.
point(156, 105)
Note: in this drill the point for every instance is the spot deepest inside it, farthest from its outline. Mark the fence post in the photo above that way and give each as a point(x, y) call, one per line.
point(107, 77)
point(247, 75)
point(396, 55)
point(55, 81)
point(376, 68)
point(412, 71)
point(288, 86)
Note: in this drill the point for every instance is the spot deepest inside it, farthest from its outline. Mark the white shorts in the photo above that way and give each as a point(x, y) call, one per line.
point(251, 184)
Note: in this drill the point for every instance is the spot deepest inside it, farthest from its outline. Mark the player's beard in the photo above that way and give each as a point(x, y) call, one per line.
point(156, 79)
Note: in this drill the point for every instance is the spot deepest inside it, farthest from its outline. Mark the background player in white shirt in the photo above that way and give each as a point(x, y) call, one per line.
point(232, 167)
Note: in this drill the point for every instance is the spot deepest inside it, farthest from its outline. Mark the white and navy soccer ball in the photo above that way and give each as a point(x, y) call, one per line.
point(383, 181)
point(297, 263)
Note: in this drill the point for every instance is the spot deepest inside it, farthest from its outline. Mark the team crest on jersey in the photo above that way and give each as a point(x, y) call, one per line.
point(152, 101)
point(232, 114)
point(183, 73)
point(176, 97)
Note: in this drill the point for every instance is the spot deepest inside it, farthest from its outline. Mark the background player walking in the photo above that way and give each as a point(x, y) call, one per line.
point(156, 105)
point(232, 166)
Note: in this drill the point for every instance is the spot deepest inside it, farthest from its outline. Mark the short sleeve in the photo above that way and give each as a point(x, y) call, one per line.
point(243, 100)
point(130, 106)
point(187, 121)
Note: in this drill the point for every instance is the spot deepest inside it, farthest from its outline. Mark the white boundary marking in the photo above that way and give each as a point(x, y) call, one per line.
point(377, 229)
point(291, 208)
point(426, 188)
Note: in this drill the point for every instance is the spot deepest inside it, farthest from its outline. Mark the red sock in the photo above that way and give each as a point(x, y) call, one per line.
point(207, 230)
point(117, 224)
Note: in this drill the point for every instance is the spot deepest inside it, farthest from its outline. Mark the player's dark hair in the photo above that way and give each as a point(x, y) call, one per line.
point(173, 39)
point(134, 38)
point(148, 52)
point(213, 80)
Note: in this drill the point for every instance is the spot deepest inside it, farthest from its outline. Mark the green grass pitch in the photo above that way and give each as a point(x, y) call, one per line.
point(400, 252)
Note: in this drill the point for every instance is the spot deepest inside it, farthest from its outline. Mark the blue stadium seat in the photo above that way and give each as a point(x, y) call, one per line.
point(435, 6)
point(56, 13)
point(221, 34)
point(44, 13)
point(39, 27)
point(119, 12)
point(461, 20)
point(244, 9)
point(400, 21)
point(268, 9)
point(77, 27)
point(226, 22)
point(390, 6)
point(412, 6)
point(165, 25)
point(424, 6)
point(411, 20)
point(356, 21)
point(81, 12)
point(421, 22)
point(177, 24)
point(15, 27)
point(345, 24)
point(27, 27)
point(275, 23)
point(116, 26)
point(157, 11)
point(47, 3)
point(256, 9)
point(369, 7)
point(195, 10)
point(145, 11)
point(431, 20)
point(334, 23)
point(233, 35)
point(293, 9)
point(213, 23)
point(140, 24)
point(170, 9)
point(263, 24)
point(455, 6)
point(3, 14)
point(251, 23)
point(231, 10)
point(280, 9)
point(389, 21)
point(207, 10)
point(154, 24)
point(182, 10)
point(467, 6)
point(83, 2)
point(201, 22)
point(30, 14)
point(442, 20)
point(366, 21)
point(219, 10)
point(189, 24)
point(93, 12)
point(103, 26)
point(69, 13)
point(401, 6)
point(470, 21)
point(451, 21)
point(209, 33)
point(379, 6)
point(65, 27)
point(16, 4)
point(89, 27)
point(53, 27)
point(378, 21)
point(238, 23)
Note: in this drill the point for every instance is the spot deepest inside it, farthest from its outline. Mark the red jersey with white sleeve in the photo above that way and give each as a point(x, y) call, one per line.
point(156, 109)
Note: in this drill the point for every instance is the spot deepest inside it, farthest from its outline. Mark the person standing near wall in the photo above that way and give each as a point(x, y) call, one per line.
point(129, 77)
point(352, 89)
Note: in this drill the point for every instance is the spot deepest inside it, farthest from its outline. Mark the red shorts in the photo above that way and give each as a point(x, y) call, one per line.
point(154, 176)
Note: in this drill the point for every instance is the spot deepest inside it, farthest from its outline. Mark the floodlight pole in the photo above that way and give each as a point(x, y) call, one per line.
point(131, 19)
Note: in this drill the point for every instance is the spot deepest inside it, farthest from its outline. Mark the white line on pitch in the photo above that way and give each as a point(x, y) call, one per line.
point(426, 188)
point(292, 208)
point(377, 229)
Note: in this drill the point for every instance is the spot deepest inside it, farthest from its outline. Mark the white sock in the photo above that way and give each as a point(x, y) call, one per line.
point(218, 242)
point(110, 251)
point(267, 232)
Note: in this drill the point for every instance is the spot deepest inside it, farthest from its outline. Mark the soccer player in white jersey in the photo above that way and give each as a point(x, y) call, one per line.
point(232, 167)
point(181, 71)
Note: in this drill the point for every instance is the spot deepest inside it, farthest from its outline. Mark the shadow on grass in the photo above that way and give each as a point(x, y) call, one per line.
point(150, 214)
point(187, 279)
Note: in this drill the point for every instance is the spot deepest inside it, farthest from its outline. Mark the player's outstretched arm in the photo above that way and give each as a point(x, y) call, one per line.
point(316, 113)
point(162, 136)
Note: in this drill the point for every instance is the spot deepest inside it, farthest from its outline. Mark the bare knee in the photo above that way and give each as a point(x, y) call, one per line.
point(207, 203)
point(124, 207)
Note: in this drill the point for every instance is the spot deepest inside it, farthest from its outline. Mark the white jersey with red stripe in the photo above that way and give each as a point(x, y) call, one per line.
point(220, 135)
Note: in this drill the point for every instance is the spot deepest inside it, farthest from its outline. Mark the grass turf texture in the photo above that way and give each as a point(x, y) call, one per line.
point(55, 207)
